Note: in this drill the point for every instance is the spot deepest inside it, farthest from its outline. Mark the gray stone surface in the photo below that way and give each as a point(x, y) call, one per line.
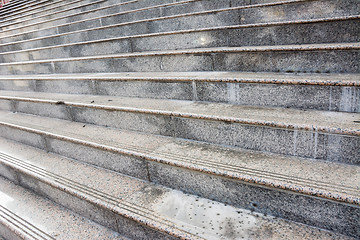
point(182, 210)
point(320, 59)
point(103, 158)
point(226, 143)
point(317, 144)
point(329, 215)
point(215, 19)
point(42, 218)
point(58, 9)
point(328, 98)
point(273, 91)
point(278, 35)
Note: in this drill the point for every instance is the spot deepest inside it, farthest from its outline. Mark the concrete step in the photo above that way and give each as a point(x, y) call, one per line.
point(321, 135)
point(54, 9)
point(329, 30)
point(312, 192)
point(42, 11)
point(140, 22)
point(11, 4)
point(80, 11)
point(329, 92)
point(15, 6)
point(24, 215)
point(320, 58)
point(87, 19)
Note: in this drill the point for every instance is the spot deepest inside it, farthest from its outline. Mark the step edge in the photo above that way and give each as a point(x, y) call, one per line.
point(166, 17)
point(120, 206)
point(183, 114)
point(188, 31)
point(21, 227)
point(205, 51)
point(309, 191)
point(282, 80)
point(51, 8)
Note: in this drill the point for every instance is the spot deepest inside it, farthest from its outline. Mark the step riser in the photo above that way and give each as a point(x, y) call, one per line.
point(279, 35)
point(343, 61)
point(89, 5)
point(330, 147)
point(80, 13)
point(15, 8)
point(67, 20)
point(94, 212)
point(313, 211)
point(234, 17)
point(150, 13)
point(29, 16)
point(328, 98)
point(256, 36)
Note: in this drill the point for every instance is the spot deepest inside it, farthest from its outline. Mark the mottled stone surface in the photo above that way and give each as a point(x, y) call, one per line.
point(218, 167)
point(191, 119)
point(154, 206)
point(278, 12)
point(313, 134)
point(320, 58)
point(333, 92)
point(44, 218)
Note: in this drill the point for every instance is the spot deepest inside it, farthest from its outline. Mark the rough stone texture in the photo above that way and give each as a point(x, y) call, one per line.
point(215, 19)
point(44, 218)
point(299, 208)
point(286, 134)
point(166, 101)
point(330, 92)
point(199, 216)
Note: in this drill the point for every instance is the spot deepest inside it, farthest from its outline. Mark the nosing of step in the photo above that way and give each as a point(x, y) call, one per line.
point(205, 51)
point(160, 18)
point(49, 14)
point(21, 227)
point(322, 189)
point(245, 121)
point(95, 18)
point(120, 206)
point(310, 80)
point(188, 31)
point(27, 4)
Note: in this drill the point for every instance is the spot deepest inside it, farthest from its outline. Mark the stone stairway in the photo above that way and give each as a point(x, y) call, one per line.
point(192, 119)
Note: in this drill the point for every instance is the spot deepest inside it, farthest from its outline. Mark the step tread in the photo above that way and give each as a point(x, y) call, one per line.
point(169, 209)
point(32, 217)
point(10, 7)
point(164, 17)
point(307, 120)
point(268, 24)
point(94, 18)
point(331, 79)
point(319, 178)
point(279, 48)
point(26, 13)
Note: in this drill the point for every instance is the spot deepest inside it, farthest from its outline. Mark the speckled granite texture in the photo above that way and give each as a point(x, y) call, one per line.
point(75, 141)
point(180, 119)
point(169, 211)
